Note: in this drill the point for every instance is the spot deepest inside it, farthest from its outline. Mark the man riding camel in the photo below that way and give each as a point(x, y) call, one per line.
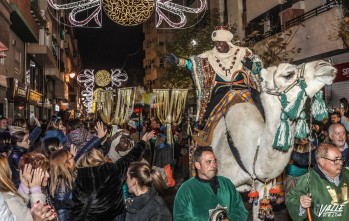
point(226, 75)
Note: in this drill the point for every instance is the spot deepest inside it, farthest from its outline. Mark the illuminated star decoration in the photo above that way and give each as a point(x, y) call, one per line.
point(77, 7)
point(175, 10)
point(128, 12)
point(87, 79)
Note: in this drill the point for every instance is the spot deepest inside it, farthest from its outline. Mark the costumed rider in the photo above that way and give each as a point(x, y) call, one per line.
point(226, 75)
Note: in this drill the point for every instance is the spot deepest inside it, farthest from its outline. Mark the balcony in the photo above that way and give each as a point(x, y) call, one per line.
point(23, 23)
point(43, 55)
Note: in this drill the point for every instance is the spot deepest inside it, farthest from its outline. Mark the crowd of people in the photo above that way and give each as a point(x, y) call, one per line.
point(73, 171)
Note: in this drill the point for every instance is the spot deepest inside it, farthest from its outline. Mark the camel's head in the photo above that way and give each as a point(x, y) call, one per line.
point(317, 74)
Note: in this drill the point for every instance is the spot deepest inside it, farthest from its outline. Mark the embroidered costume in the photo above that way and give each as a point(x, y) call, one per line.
point(218, 75)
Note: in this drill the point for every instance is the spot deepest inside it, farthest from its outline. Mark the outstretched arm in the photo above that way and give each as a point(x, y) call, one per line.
point(182, 62)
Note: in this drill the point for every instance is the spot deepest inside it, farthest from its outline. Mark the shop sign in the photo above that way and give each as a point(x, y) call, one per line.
point(35, 96)
point(342, 72)
point(21, 92)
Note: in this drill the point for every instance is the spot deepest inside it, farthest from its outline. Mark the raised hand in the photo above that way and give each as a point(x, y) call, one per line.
point(146, 137)
point(38, 175)
point(101, 131)
point(73, 150)
point(172, 59)
point(25, 175)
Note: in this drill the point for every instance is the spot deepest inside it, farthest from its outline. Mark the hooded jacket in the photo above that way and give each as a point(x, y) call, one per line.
point(98, 190)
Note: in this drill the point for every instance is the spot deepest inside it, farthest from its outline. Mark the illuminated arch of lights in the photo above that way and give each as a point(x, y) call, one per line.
point(127, 12)
point(78, 7)
point(87, 79)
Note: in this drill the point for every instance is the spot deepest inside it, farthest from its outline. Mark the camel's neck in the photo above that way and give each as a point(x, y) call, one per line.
point(266, 168)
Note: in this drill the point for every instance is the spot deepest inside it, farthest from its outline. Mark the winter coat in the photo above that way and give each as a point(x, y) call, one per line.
point(78, 137)
point(5, 213)
point(98, 191)
point(18, 206)
point(63, 203)
point(34, 135)
point(13, 160)
point(147, 207)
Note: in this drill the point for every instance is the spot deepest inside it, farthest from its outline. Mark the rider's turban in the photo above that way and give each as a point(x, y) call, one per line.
point(221, 33)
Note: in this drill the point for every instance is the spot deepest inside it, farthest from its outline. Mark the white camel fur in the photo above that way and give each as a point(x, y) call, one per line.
point(250, 133)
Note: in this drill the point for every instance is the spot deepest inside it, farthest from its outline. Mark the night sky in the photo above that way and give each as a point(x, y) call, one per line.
point(108, 47)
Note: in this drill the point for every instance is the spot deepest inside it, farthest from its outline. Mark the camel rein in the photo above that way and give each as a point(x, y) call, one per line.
point(289, 87)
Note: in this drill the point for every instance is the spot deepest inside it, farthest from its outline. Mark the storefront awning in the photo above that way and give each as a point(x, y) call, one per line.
point(2, 49)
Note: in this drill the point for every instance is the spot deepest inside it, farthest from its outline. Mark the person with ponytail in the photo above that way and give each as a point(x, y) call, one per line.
point(144, 182)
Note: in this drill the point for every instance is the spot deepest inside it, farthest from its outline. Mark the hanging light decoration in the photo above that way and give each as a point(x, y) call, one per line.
point(79, 7)
point(175, 10)
point(128, 12)
point(88, 79)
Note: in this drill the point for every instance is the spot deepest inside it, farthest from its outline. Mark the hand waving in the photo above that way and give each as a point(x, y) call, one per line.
point(147, 136)
point(101, 131)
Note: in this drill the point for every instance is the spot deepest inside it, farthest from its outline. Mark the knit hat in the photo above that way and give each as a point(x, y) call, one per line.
point(222, 34)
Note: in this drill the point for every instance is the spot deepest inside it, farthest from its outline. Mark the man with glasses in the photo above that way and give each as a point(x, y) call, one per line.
point(338, 138)
point(324, 189)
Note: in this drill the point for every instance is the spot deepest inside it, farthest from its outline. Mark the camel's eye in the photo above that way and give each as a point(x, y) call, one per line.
point(289, 75)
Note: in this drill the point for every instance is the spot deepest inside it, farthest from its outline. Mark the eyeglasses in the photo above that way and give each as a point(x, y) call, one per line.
point(335, 161)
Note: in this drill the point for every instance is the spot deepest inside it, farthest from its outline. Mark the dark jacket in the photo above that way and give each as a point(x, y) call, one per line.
point(13, 160)
point(147, 207)
point(98, 190)
point(63, 203)
point(62, 200)
point(34, 135)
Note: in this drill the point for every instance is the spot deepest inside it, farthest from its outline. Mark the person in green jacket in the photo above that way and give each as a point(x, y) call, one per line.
point(207, 196)
point(328, 188)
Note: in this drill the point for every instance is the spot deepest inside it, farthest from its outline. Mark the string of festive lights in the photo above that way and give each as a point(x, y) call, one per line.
point(87, 80)
point(117, 77)
point(79, 7)
point(177, 10)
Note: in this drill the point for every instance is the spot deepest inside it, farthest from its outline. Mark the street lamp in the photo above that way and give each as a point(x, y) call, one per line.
point(72, 74)
point(194, 42)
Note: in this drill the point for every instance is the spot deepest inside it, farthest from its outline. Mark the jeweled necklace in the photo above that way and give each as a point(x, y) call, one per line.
point(232, 63)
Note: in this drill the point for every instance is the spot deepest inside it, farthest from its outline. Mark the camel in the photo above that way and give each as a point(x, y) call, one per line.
point(253, 136)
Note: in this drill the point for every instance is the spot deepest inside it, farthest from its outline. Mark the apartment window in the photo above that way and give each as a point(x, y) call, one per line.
point(2, 57)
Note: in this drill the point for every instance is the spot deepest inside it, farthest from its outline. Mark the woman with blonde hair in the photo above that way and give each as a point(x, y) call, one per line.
point(61, 182)
point(29, 190)
point(144, 182)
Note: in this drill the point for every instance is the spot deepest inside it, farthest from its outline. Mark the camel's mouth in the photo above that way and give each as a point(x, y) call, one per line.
point(325, 72)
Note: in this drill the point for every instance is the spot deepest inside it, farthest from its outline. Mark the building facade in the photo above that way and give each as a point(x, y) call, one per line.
point(37, 53)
